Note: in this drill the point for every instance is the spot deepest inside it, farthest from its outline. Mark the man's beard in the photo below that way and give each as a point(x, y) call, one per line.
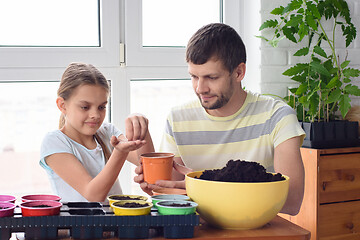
point(222, 100)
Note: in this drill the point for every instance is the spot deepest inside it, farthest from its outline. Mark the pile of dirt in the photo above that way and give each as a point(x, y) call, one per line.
point(132, 205)
point(125, 198)
point(241, 171)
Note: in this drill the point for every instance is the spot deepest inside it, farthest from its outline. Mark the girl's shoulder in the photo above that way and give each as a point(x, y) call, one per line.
point(56, 134)
point(56, 138)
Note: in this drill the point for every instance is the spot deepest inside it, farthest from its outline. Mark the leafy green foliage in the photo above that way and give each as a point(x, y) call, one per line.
point(324, 82)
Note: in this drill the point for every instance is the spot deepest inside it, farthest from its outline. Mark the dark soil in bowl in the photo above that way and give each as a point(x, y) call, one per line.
point(125, 198)
point(3, 208)
point(241, 171)
point(176, 205)
point(132, 205)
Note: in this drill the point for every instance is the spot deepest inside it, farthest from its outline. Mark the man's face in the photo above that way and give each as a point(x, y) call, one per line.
point(212, 83)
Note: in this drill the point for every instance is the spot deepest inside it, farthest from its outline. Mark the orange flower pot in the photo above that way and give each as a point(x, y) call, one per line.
point(157, 166)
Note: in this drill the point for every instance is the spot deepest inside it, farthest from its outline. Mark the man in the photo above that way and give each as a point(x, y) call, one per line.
point(228, 122)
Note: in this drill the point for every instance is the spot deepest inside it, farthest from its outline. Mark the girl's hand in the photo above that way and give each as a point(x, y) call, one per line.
point(124, 145)
point(136, 127)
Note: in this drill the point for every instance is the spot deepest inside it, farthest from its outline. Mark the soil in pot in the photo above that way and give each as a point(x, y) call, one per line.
point(41, 206)
point(176, 205)
point(125, 198)
point(133, 205)
point(241, 171)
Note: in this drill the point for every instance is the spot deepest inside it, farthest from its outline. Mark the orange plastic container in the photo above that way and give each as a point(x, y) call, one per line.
point(157, 166)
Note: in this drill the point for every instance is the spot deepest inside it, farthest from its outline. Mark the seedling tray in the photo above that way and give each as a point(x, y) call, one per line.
point(89, 220)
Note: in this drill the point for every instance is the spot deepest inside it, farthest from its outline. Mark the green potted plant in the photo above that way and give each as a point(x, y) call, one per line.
point(322, 96)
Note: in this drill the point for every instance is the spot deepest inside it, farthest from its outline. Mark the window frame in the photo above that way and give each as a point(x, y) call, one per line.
point(137, 55)
point(105, 55)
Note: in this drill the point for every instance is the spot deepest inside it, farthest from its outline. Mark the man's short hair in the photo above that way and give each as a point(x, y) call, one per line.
point(219, 41)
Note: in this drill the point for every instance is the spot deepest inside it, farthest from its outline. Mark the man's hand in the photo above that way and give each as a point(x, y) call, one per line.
point(149, 188)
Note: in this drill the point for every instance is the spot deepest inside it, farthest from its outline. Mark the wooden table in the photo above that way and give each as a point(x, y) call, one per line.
point(277, 229)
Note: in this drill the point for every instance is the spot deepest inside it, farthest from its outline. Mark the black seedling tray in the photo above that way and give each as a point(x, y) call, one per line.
point(89, 220)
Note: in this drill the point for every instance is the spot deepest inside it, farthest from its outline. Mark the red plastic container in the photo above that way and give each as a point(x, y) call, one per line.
point(7, 198)
point(37, 208)
point(7, 209)
point(44, 197)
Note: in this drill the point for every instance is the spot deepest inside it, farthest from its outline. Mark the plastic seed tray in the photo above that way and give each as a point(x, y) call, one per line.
point(89, 220)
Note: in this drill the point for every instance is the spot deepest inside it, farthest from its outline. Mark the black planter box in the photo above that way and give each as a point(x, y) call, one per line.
point(334, 134)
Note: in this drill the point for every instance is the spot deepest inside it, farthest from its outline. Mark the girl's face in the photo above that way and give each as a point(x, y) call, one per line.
point(85, 110)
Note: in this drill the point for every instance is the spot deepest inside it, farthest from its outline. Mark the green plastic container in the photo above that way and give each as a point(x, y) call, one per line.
point(168, 208)
point(168, 197)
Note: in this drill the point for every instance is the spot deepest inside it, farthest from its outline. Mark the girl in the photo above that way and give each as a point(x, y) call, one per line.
point(84, 157)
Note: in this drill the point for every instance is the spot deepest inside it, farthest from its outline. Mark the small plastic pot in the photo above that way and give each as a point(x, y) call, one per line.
point(43, 197)
point(122, 197)
point(7, 198)
point(181, 208)
point(7, 209)
point(169, 197)
point(40, 208)
point(121, 210)
point(157, 166)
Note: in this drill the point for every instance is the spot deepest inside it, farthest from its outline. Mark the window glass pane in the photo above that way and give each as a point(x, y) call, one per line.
point(28, 112)
point(49, 23)
point(171, 23)
point(154, 99)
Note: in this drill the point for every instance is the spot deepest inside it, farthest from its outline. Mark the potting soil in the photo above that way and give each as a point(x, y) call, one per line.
point(241, 171)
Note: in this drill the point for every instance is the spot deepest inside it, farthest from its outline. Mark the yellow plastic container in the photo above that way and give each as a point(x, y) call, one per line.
point(116, 198)
point(236, 205)
point(119, 210)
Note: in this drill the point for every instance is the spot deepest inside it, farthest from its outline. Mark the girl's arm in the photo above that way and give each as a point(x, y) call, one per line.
point(67, 167)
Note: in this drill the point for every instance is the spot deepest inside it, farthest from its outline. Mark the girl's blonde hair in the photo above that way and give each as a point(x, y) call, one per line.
point(79, 74)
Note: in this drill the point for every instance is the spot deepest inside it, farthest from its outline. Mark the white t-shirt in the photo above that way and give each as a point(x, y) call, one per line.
point(93, 160)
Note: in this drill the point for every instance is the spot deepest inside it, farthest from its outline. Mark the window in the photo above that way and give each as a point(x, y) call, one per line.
point(155, 63)
point(92, 38)
point(164, 24)
point(28, 112)
point(30, 71)
point(24, 23)
point(154, 98)
point(157, 31)
point(148, 70)
point(25, 119)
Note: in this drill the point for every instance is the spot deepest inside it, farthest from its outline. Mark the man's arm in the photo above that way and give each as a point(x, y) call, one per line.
point(287, 161)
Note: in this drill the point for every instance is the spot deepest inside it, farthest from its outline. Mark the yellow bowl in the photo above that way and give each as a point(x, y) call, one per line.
point(235, 205)
point(117, 197)
point(119, 210)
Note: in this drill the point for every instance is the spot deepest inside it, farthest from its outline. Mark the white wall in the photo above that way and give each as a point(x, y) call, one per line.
point(274, 61)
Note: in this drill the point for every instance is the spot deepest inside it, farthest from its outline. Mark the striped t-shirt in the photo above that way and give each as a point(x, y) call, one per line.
point(207, 142)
